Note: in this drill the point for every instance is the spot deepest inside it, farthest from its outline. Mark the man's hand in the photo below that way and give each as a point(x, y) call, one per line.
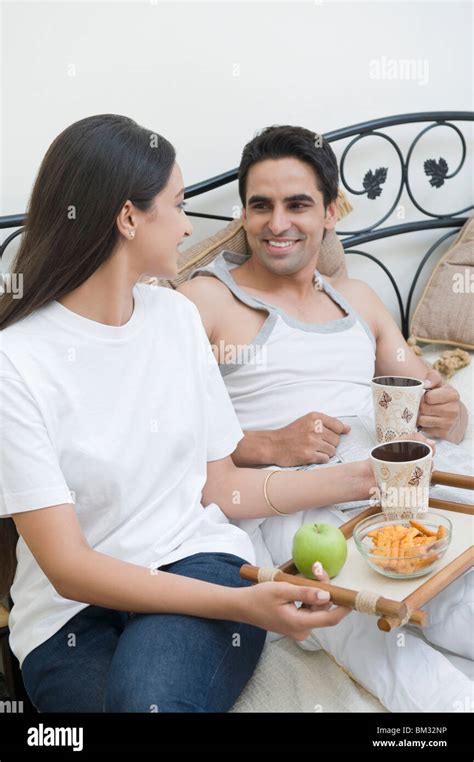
point(441, 409)
point(313, 438)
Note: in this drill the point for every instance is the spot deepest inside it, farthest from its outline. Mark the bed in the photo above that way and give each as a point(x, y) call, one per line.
point(287, 678)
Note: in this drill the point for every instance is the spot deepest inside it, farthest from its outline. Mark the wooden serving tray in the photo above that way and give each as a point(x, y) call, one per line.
point(399, 600)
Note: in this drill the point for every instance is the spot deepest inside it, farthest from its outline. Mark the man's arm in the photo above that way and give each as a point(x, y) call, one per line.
point(208, 294)
point(442, 414)
point(313, 438)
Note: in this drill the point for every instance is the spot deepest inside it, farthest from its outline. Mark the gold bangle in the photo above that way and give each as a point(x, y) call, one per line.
point(270, 505)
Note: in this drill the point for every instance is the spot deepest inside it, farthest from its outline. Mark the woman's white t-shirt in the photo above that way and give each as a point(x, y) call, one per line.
point(120, 421)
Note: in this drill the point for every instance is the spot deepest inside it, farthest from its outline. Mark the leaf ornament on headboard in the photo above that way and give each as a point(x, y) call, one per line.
point(373, 180)
point(438, 171)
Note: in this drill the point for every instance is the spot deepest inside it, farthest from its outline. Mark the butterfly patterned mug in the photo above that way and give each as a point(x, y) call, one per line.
point(402, 471)
point(396, 403)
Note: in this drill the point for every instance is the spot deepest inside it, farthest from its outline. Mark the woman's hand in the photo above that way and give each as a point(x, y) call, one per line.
point(271, 606)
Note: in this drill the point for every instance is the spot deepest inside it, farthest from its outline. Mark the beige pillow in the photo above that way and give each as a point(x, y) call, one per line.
point(233, 238)
point(445, 312)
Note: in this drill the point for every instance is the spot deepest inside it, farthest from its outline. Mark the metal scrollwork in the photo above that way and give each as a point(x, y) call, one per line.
point(372, 180)
point(437, 169)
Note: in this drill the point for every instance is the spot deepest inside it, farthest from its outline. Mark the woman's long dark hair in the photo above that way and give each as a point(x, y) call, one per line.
point(90, 170)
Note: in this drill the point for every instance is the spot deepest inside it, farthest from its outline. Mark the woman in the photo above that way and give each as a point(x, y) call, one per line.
point(116, 431)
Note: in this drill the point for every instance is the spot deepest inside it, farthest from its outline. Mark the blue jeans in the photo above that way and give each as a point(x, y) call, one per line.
point(124, 662)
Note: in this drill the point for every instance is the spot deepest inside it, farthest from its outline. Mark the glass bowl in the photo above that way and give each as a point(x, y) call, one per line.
point(388, 554)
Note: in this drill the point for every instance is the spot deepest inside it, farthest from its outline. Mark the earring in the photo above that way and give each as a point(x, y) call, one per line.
point(132, 234)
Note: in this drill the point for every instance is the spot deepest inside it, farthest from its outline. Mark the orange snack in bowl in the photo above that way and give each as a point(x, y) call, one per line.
point(422, 528)
point(394, 543)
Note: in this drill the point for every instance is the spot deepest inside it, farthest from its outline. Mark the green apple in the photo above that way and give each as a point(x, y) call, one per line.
point(319, 542)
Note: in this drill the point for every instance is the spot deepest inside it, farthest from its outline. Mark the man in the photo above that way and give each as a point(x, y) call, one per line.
point(288, 182)
point(312, 345)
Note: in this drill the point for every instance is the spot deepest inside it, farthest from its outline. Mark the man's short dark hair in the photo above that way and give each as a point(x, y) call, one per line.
point(282, 142)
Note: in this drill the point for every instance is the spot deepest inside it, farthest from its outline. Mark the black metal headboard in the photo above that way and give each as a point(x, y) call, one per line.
point(436, 171)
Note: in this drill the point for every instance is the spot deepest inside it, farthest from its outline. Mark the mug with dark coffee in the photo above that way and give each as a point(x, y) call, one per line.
point(402, 472)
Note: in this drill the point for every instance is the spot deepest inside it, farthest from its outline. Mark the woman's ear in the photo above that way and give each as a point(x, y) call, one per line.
point(127, 221)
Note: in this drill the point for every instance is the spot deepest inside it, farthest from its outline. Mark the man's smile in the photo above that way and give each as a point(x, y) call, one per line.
point(280, 245)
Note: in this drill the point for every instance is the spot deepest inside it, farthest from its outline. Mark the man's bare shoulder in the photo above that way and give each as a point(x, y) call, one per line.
point(353, 287)
point(363, 299)
point(205, 287)
point(211, 297)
